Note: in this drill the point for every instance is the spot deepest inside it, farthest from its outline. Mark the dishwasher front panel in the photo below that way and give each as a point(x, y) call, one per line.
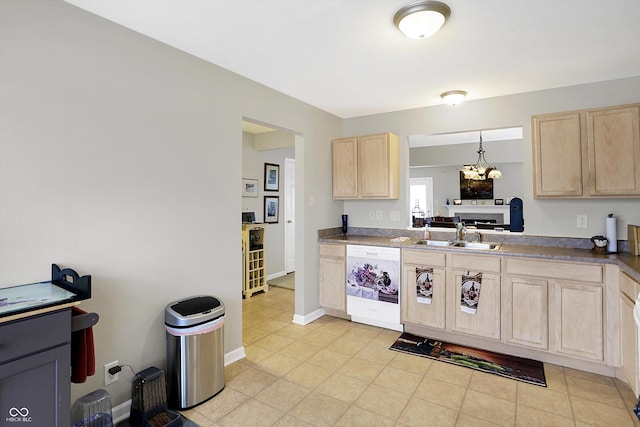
point(373, 285)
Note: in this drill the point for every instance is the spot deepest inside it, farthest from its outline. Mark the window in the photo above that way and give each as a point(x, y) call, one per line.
point(421, 190)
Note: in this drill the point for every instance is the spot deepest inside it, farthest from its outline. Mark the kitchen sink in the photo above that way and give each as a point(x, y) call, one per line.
point(445, 243)
point(487, 246)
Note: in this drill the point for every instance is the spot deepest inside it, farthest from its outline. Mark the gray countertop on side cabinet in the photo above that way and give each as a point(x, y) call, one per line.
point(627, 262)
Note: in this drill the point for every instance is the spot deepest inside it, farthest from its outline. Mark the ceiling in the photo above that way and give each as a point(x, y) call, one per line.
point(346, 56)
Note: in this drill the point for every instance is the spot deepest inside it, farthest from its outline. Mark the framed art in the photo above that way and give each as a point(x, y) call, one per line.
point(271, 209)
point(249, 187)
point(271, 177)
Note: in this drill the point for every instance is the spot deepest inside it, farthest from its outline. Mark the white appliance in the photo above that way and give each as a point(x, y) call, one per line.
point(373, 286)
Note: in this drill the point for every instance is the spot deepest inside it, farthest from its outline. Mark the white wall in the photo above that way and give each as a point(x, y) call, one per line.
point(122, 158)
point(542, 217)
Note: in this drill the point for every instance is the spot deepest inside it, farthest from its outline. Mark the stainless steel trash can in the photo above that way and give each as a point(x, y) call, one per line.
point(195, 350)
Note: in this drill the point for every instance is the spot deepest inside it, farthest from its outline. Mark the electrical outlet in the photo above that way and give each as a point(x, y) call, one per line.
point(582, 221)
point(372, 215)
point(108, 378)
point(379, 215)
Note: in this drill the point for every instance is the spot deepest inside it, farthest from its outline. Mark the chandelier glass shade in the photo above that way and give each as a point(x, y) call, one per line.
point(481, 170)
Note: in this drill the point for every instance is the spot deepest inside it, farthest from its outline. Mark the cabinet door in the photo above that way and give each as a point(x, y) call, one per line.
point(486, 321)
point(557, 155)
point(629, 342)
point(414, 307)
point(614, 151)
point(333, 273)
point(345, 168)
point(577, 317)
point(525, 312)
point(378, 166)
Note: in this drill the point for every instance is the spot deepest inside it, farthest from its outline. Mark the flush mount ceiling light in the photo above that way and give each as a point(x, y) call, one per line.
point(453, 97)
point(481, 170)
point(421, 19)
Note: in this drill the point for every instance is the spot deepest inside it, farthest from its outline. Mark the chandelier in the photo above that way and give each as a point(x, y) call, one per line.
point(481, 170)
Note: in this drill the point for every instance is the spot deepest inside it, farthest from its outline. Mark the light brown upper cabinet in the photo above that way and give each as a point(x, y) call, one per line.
point(587, 153)
point(366, 167)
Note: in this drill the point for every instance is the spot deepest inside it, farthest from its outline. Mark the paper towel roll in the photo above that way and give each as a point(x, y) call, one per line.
point(611, 235)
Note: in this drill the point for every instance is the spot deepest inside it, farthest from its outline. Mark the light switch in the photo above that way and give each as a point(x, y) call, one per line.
point(378, 215)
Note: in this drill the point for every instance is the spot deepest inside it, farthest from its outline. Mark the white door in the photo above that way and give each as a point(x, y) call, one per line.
point(289, 215)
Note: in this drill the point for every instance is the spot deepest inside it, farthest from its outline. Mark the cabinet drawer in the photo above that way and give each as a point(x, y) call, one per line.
point(474, 262)
point(628, 287)
point(555, 270)
point(33, 334)
point(429, 258)
point(333, 250)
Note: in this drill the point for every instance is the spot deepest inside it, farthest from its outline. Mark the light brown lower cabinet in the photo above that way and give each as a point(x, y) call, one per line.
point(333, 268)
point(415, 308)
point(628, 331)
point(525, 311)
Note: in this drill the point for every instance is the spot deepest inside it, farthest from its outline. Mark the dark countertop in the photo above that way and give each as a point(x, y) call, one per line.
point(627, 262)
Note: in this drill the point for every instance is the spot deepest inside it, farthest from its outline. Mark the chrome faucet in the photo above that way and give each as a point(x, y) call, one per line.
point(461, 231)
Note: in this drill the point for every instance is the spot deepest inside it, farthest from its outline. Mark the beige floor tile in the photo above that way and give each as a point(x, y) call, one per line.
point(293, 331)
point(544, 399)
point(318, 338)
point(597, 414)
point(223, 403)
point(605, 393)
point(411, 363)
point(382, 401)
point(338, 327)
point(575, 373)
point(441, 393)
point(495, 385)
point(235, 368)
point(468, 420)
point(252, 334)
point(271, 325)
point(269, 313)
point(420, 413)
point(198, 418)
point(527, 416)
point(489, 408)
point(450, 373)
point(346, 346)
point(289, 421)
point(274, 342)
point(375, 353)
point(283, 395)
point(398, 380)
point(255, 353)
point(300, 350)
point(251, 381)
point(319, 409)
point(555, 378)
point(328, 359)
point(259, 414)
point(363, 334)
point(307, 375)
point(277, 364)
point(358, 417)
point(343, 387)
point(361, 369)
point(286, 317)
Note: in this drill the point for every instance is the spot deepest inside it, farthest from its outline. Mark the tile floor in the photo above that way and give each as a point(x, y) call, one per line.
point(338, 373)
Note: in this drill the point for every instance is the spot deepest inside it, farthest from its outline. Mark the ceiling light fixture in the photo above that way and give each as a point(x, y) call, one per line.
point(481, 170)
point(421, 19)
point(453, 97)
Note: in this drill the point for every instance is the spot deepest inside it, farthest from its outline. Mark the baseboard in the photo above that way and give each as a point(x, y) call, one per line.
point(234, 356)
point(305, 320)
point(276, 275)
point(121, 412)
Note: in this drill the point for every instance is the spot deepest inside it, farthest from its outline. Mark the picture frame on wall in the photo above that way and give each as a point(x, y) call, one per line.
point(249, 187)
point(271, 177)
point(271, 209)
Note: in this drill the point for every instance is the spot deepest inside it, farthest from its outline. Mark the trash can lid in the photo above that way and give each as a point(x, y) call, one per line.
point(193, 311)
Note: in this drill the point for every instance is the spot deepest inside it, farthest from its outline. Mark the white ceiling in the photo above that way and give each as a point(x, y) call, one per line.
point(346, 56)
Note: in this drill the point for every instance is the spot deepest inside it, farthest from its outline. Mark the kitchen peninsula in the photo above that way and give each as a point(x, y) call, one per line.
point(547, 298)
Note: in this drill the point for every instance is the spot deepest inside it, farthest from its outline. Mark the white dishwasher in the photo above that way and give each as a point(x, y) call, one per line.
point(373, 285)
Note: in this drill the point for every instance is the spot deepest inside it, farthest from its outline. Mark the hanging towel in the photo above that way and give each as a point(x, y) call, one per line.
point(83, 357)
